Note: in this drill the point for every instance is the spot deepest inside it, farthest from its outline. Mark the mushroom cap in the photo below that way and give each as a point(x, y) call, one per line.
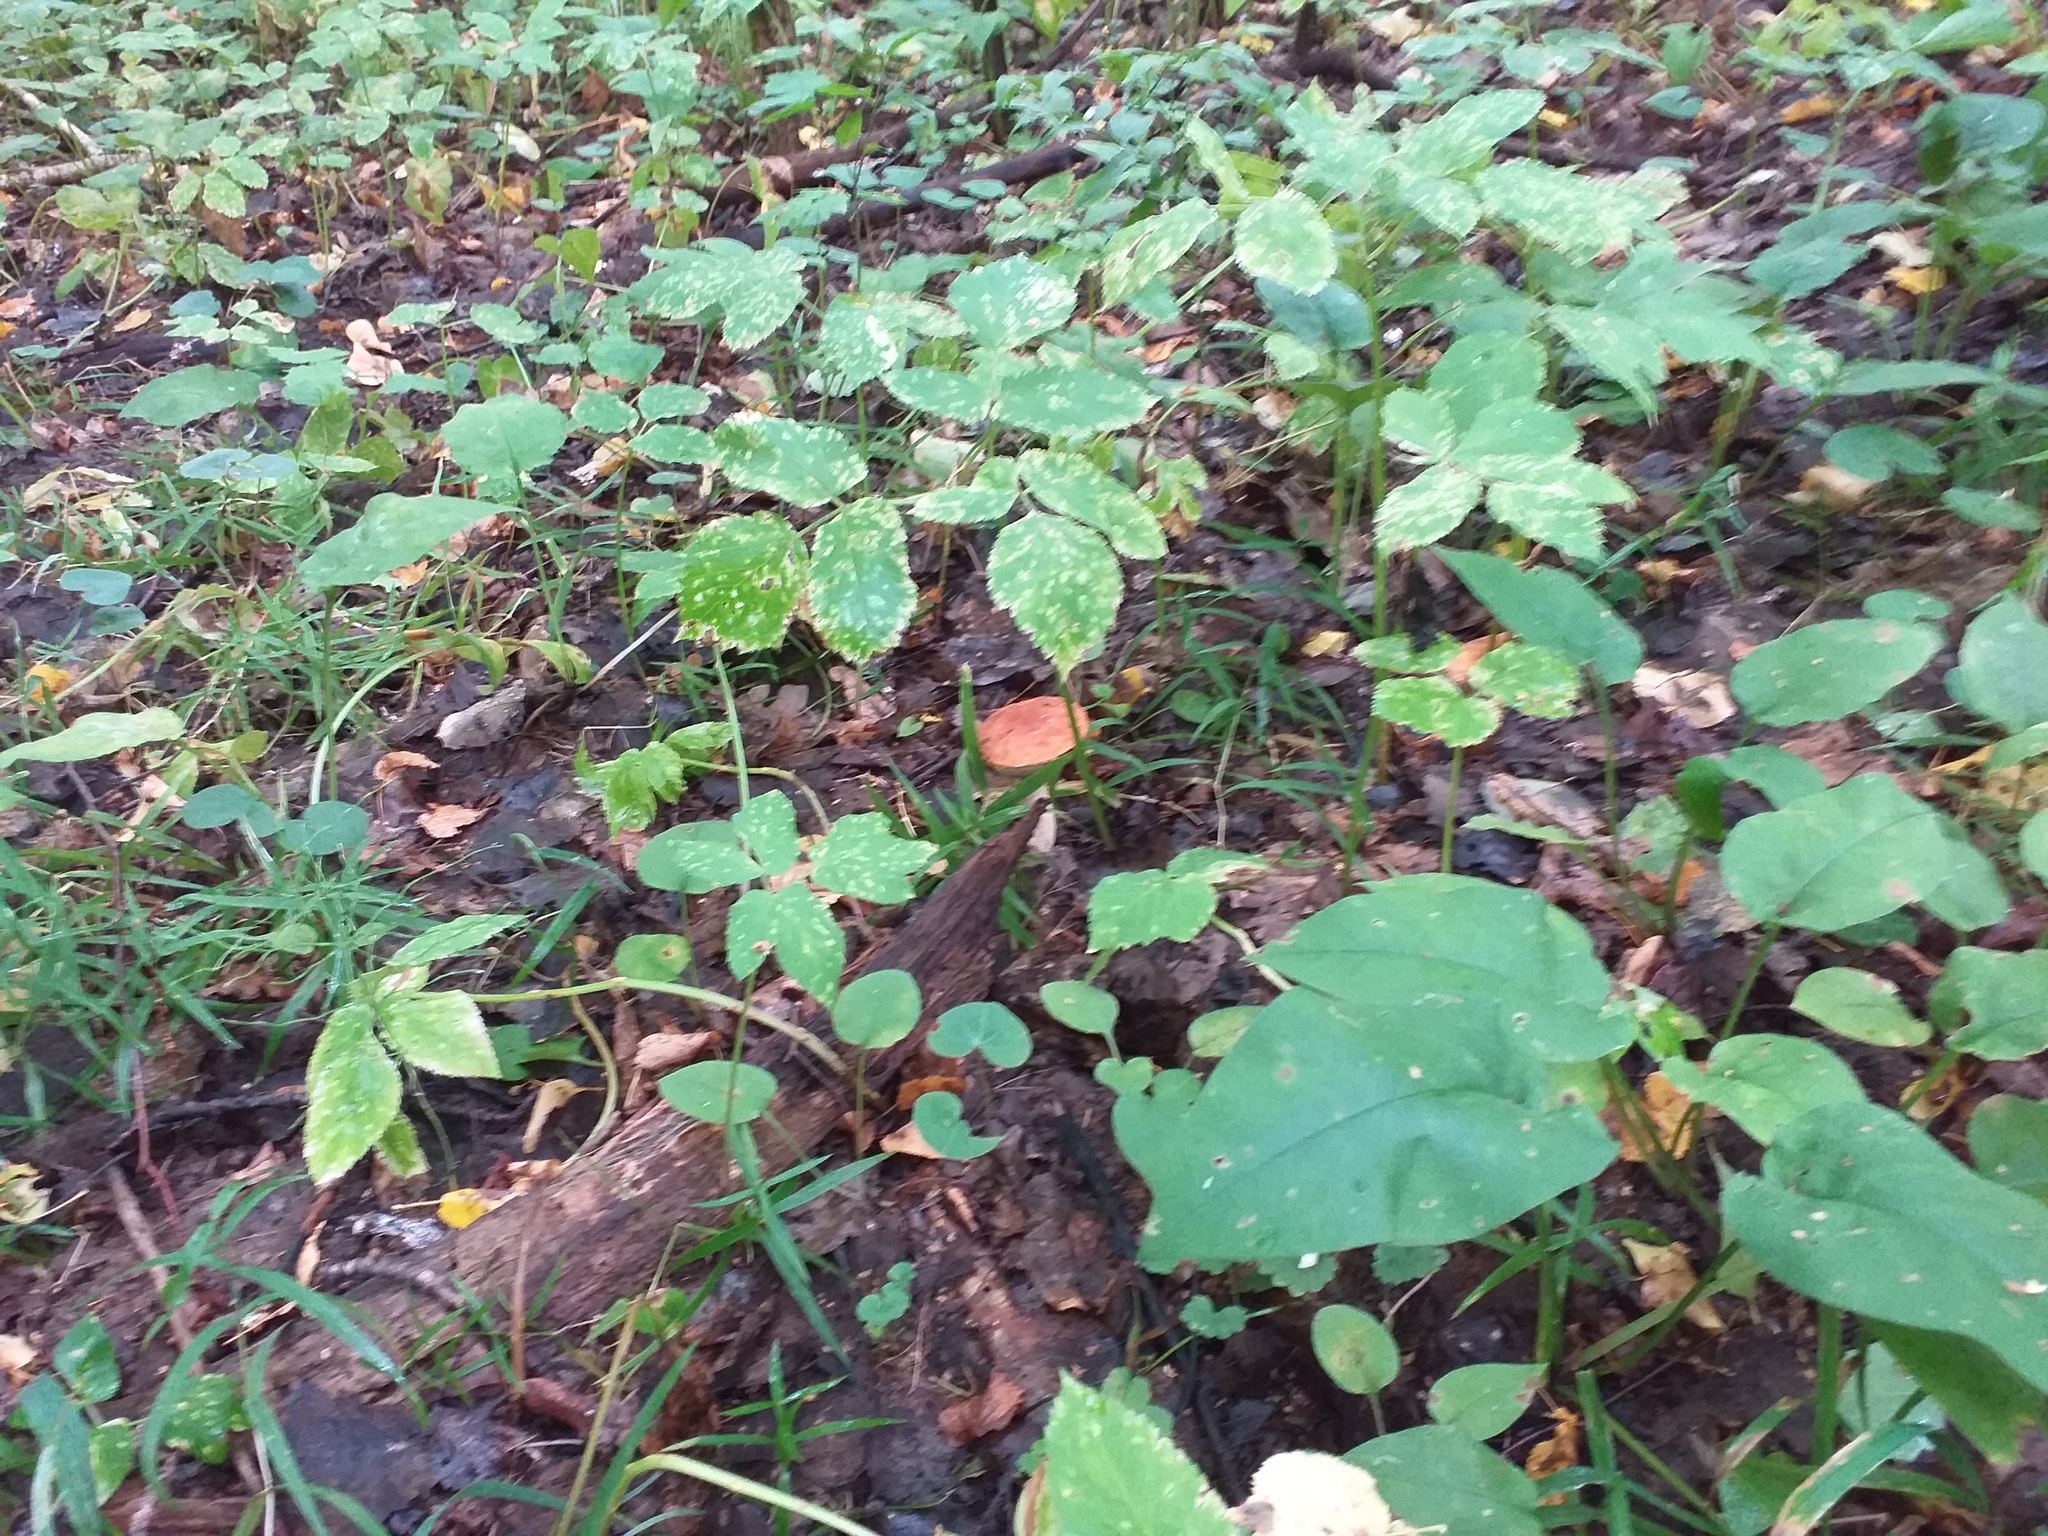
point(1031, 733)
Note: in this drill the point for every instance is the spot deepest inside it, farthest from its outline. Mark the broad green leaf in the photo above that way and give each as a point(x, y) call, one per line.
point(673, 444)
point(1557, 503)
point(1405, 1117)
point(97, 735)
point(2001, 670)
point(1529, 679)
point(1812, 252)
point(855, 345)
point(1061, 583)
point(962, 397)
point(1140, 252)
point(1764, 1082)
point(457, 936)
point(719, 1092)
point(205, 1412)
point(1881, 376)
point(1983, 1397)
point(861, 595)
point(398, 1144)
point(2033, 844)
point(1109, 1468)
point(696, 858)
point(739, 580)
point(1841, 857)
point(1622, 346)
point(767, 826)
point(1437, 1479)
point(989, 1028)
point(439, 1032)
point(1484, 369)
point(1427, 508)
point(2009, 1142)
point(1009, 302)
point(352, 1091)
point(502, 438)
point(1397, 653)
point(804, 466)
point(1354, 1349)
point(1993, 1003)
point(85, 1358)
point(668, 402)
point(1090, 1010)
point(863, 856)
point(1332, 319)
point(1284, 238)
point(222, 805)
point(1512, 437)
point(755, 292)
point(1434, 706)
point(1215, 1032)
point(797, 928)
point(616, 355)
point(596, 411)
point(878, 1009)
point(1483, 1400)
point(326, 827)
point(1452, 937)
point(1419, 420)
point(1858, 1207)
point(1570, 211)
point(651, 956)
point(1069, 401)
point(179, 398)
point(939, 1121)
point(1553, 609)
point(1774, 773)
point(1989, 509)
point(1872, 451)
point(1203, 1318)
point(505, 325)
point(1859, 1006)
point(1138, 906)
point(1829, 670)
point(1068, 484)
point(967, 505)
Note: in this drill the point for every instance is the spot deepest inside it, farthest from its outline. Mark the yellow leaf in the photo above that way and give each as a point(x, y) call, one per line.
point(1917, 280)
point(1807, 108)
point(1671, 1119)
point(1327, 642)
point(1667, 1277)
point(1561, 1450)
point(45, 682)
point(459, 1207)
point(1550, 117)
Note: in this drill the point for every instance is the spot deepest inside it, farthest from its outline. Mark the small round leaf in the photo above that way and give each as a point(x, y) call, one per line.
point(1355, 1348)
point(652, 956)
point(1079, 1006)
point(939, 1121)
point(877, 1010)
point(719, 1092)
point(1483, 1400)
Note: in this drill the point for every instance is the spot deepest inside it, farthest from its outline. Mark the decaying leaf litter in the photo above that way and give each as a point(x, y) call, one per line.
point(743, 731)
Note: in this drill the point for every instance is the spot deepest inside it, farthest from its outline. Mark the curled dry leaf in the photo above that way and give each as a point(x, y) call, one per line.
point(607, 458)
point(1671, 1118)
point(910, 1142)
point(664, 1053)
point(988, 1412)
point(1833, 487)
point(1667, 1277)
point(1807, 108)
point(916, 1088)
point(1306, 1493)
point(371, 363)
point(392, 764)
point(1553, 1455)
point(553, 1094)
point(440, 821)
point(17, 1359)
point(1327, 642)
point(1700, 699)
point(1031, 733)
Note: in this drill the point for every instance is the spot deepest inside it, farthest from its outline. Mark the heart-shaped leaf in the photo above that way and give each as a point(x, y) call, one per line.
point(719, 1092)
point(1008, 302)
point(939, 1121)
point(989, 1028)
point(1764, 1082)
point(1284, 237)
point(863, 856)
point(502, 438)
point(1354, 1349)
point(1433, 706)
point(804, 466)
point(1829, 670)
point(1859, 1006)
point(878, 1009)
point(1079, 1006)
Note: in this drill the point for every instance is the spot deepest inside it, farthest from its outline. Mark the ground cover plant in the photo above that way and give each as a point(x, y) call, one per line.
point(1058, 768)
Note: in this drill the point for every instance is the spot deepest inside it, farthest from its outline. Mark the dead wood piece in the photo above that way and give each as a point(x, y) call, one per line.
point(1064, 49)
point(426, 1280)
point(63, 172)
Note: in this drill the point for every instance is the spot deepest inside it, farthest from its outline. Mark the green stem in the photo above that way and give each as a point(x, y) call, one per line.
point(1087, 771)
point(746, 1488)
point(1550, 1286)
point(732, 716)
point(1935, 1074)
point(1765, 940)
point(1451, 807)
point(1827, 1381)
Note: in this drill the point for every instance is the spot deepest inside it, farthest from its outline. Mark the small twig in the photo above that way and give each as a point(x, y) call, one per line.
point(81, 141)
point(63, 172)
point(428, 1282)
point(1063, 50)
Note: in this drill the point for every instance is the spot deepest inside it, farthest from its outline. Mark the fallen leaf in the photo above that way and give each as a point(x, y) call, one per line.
point(988, 1412)
point(134, 320)
point(916, 1088)
point(1667, 1277)
point(1917, 280)
point(1561, 1450)
point(1700, 699)
point(1272, 409)
point(1460, 666)
point(665, 1052)
point(1396, 27)
point(910, 1142)
point(1670, 1118)
point(20, 307)
point(1307, 1493)
point(1030, 733)
point(1907, 247)
point(460, 1207)
point(266, 1162)
point(550, 1399)
point(1807, 108)
point(22, 1200)
point(1834, 488)
point(447, 820)
point(1550, 117)
point(1327, 642)
point(45, 682)
point(607, 458)
point(17, 1359)
point(553, 1094)
point(392, 764)
point(371, 364)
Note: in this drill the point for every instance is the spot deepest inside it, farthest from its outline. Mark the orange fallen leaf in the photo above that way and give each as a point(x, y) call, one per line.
point(134, 320)
point(1553, 1455)
point(1460, 666)
point(392, 764)
point(1031, 733)
point(988, 1412)
point(1807, 108)
point(666, 1052)
point(447, 820)
point(1834, 488)
point(916, 1088)
point(1668, 1276)
point(1670, 1118)
point(910, 1142)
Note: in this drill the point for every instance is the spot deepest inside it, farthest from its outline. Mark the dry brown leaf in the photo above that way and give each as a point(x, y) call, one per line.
point(370, 363)
point(910, 1142)
point(1907, 247)
point(1834, 488)
point(915, 1088)
point(1553, 1455)
point(1272, 409)
point(306, 1263)
point(17, 1359)
point(1030, 733)
point(607, 458)
point(1700, 699)
point(1328, 642)
point(1667, 1277)
point(134, 320)
point(447, 820)
point(665, 1052)
point(1460, 666)
point(988, 1412)
point(1670, 1118)
point(392, 764)
point(1396, 27)
point(1807, 108)
point(553, 1094)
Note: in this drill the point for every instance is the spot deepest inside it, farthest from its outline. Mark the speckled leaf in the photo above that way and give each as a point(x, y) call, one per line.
point(739, 581)
point(854, 345)
point(767, 826)
point(352, 1091)
point(964, 504)
point(696, 858)
point(797, 928)
point(962, 397)
point(1069, 484)
point(1529, 679)
point(1283, 237)
point(1433, 706)
point(1008, 302)
point(1139, 252)
point(1080, 401)
point(804, 466)
point(1137, 906)
point(861, 593)
point(1427, 508)
point(1108, 1468)
point(438, 1032)
point(862, 856)
point(1060, 581)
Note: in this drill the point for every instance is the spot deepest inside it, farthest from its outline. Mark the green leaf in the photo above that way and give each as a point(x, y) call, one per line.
point(1994, 1002)
point(1764, 1082)
point(1450, 937)
point(1433, 706)
point(966, 505)
point(505, 325)
point(1529, 679)
point(326, 827)
point(1983, 1397)
point(205, 1412)
point(877, 1010)
point(1829, 670)
point(797, 928)
point(1081, 400)
point(1109, 1468)
point(1148, 249)
point(84, 1357)
point(392, 531)
point(183, 397)
point(989, 1028)
point(352, 1091)
point(616, 355)
point(97, 735)
point(596, 411)
point(767, 826)
point(1556, 502)
point(855, 345)
point(1090, 1010)
point(1569, 211)
point(1858, 1207)
point(1988, 509)
point(2009, 1142)
point(719, 1092)
point(962, 397)
point(939, 1121)
point(804, 466)
point(1130, 1076)
point(1483, 1400)
point(1399, 1118)
point(2001, 670)
point(1203, 1318)
point(439, 1032)
point(1419, 420)
point(739, 580)
point(671, 444)
point(696, 858)
point(1880, 376)
point(1485, 369)
point(1872, 451)
point(1354, 1349)
point(457, 936)
point(501, 438)
point(1068, 484)
point(861, 595)
point(1437, 1479)
point(1060, 582)
point(755, 292)
point(1215, 1032)
point(1284, 238)
point(651, 956)
point(2033, 844)
point(398, 1144)
point(1553, 609)
point(1008, 302)
point(1427, 508)
point(1138, 906)
point(1842, 857)
point(863, 856)
point(1859, 1006)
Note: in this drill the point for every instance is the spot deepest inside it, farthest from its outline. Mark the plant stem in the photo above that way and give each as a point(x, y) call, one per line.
point(1765, 939)
point(709, 999)
point(1087, 771)
point(746, 1488)
point(1451, 807)
point(1827, 1381)
point(732, 716)
point(1550, 1286)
